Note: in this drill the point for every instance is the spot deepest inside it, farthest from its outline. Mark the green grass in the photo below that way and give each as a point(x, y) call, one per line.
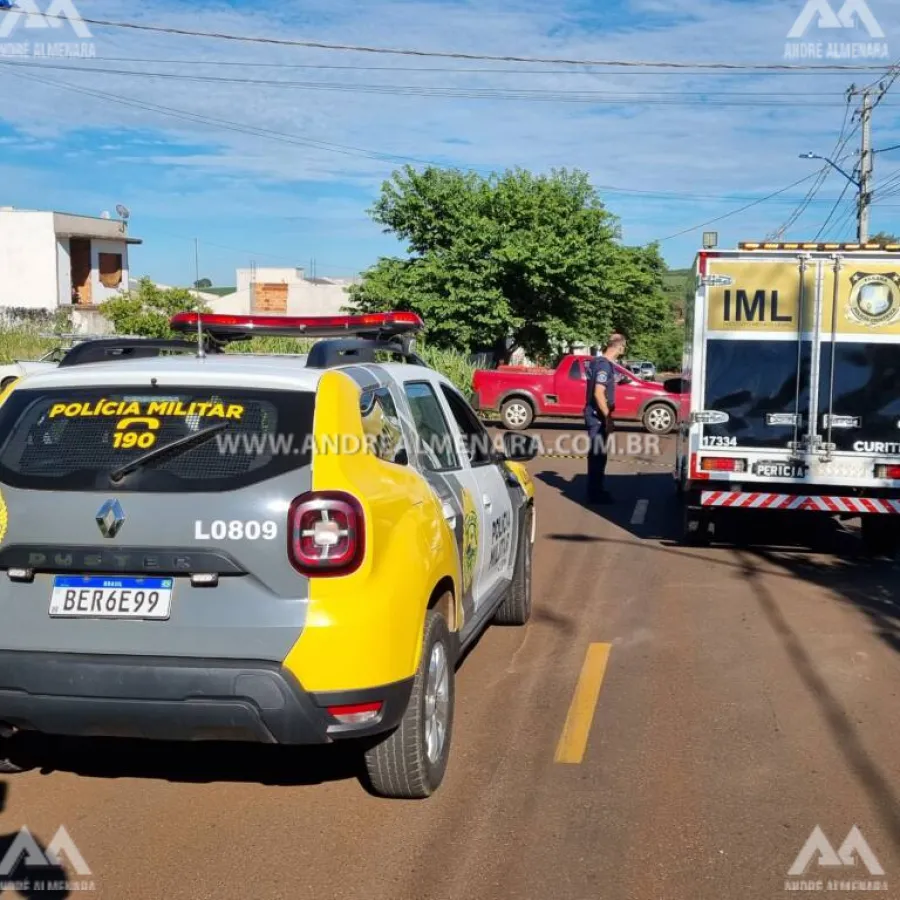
point(23, 344)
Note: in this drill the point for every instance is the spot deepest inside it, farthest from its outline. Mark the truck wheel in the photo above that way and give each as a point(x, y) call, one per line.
point(410, 764)
point(517, 414)
point(880, 535)
point(659, 418)
point(697, 527)
point(516, 607)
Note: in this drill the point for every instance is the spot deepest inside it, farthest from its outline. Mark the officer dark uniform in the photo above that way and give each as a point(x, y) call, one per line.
point(600, 373)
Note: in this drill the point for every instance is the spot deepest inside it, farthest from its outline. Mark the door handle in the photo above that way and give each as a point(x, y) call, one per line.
point(488, 503)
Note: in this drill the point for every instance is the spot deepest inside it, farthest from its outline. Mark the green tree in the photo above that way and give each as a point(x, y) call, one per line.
point(146, 312)
point(202, 284)
point(534, 258)
point(883, 237)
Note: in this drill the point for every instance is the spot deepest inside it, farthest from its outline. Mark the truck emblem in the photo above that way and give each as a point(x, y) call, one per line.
point(874, 298)
point(110, 518)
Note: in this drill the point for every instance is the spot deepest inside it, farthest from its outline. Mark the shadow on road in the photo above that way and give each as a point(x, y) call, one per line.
point(27, 880)
point(197, 763)
point(763, 547)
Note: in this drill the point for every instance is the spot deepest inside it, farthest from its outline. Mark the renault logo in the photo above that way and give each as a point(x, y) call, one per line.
point(110, 518)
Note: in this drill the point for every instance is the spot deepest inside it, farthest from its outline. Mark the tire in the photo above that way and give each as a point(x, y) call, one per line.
point(400, 767)
point(516, 606)
point(696, 527)
point(880, 535)
point(659, 418)
point(517, 414)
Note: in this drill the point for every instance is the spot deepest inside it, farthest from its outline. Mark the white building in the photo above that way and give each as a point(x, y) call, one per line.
point(51, 261)
point(274, 291)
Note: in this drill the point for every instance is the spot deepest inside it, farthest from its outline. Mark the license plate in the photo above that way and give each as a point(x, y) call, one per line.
point(779, 469)
point(77, 597)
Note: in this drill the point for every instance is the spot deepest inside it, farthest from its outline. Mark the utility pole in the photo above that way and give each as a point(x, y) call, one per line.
point(866, 167)
point(197, 268)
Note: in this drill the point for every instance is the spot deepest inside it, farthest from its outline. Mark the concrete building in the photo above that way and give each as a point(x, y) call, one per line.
point(283, 291)
point(51, 261)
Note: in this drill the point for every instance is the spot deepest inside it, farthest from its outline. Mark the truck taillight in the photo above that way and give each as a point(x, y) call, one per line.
point(723, 464)
point(326, 535)
point(890, 472)
point(703, 263)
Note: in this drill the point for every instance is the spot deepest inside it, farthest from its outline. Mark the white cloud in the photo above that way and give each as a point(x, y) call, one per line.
point(702, 149)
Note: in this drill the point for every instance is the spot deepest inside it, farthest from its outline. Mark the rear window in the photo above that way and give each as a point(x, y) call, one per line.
point(72, 439)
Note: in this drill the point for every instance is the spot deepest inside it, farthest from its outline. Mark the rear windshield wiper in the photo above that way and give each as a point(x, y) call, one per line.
point(176, 448)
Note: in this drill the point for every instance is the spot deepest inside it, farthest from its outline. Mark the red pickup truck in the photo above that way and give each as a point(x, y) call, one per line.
point(521, 394)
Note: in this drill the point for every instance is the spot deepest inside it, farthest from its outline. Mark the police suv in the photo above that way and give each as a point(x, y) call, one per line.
point(199, 545)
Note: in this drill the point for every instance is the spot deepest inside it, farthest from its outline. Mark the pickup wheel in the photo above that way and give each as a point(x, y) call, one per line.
point(659, 418)
point(517, 413)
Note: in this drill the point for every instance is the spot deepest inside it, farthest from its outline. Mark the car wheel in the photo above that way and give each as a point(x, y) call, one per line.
point(517, 414)
point(410, 764)
point(516, 606)
point(659, 418)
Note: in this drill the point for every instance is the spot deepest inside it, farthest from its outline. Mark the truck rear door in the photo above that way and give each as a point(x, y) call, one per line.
point(757, 358)
point(858, 425)
point(801, 355)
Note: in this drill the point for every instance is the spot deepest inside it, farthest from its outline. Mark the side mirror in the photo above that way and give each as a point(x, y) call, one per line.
point(520, 447)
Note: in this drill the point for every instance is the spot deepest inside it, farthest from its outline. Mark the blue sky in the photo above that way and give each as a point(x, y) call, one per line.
point(291, 177)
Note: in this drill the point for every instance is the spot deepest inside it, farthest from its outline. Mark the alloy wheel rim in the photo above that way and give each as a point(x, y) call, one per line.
point(659, 419)
point(516, 414)
point(437, 703)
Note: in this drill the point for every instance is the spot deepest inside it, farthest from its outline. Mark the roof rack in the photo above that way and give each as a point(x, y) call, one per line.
point(817, 246)
point(331, 353)
point(117, 349)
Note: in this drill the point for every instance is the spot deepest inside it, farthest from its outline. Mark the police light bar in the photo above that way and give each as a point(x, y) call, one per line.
point(382, 324)
point(820, 247)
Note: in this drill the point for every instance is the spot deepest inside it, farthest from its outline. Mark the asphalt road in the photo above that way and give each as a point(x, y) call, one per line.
point(746, 695)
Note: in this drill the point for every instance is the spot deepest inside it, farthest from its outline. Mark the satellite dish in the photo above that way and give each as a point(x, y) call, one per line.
point(123, 211)
point(105, 215)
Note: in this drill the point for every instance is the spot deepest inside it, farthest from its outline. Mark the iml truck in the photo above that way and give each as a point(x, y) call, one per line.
point(792, 366)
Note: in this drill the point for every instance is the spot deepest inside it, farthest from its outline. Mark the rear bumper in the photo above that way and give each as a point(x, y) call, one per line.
point(178, 700)
point(809, 498)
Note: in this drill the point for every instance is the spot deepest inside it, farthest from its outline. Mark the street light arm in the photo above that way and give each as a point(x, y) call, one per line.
point(834, 165)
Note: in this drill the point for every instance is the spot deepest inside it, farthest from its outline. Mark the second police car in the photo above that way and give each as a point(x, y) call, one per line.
point(226, 546)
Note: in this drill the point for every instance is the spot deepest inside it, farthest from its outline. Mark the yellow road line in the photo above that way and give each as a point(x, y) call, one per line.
point(573, 740)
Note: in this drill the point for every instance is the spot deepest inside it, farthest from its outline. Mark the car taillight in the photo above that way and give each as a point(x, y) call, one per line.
point(890, 472)
point(326, 534)
point(357, 713)
point(723, 464)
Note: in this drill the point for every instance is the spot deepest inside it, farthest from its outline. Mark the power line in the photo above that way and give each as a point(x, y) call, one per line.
point(822, 176)
point(833, 212)
point(619, 97)
point(580, 71)
point(736, 211)
point(443, 54)
point(225, 123)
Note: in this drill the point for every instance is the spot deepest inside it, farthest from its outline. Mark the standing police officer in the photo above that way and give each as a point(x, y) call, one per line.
point(600, 404)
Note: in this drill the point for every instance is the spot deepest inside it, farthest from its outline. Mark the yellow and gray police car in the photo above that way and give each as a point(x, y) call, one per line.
point(199, 545)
